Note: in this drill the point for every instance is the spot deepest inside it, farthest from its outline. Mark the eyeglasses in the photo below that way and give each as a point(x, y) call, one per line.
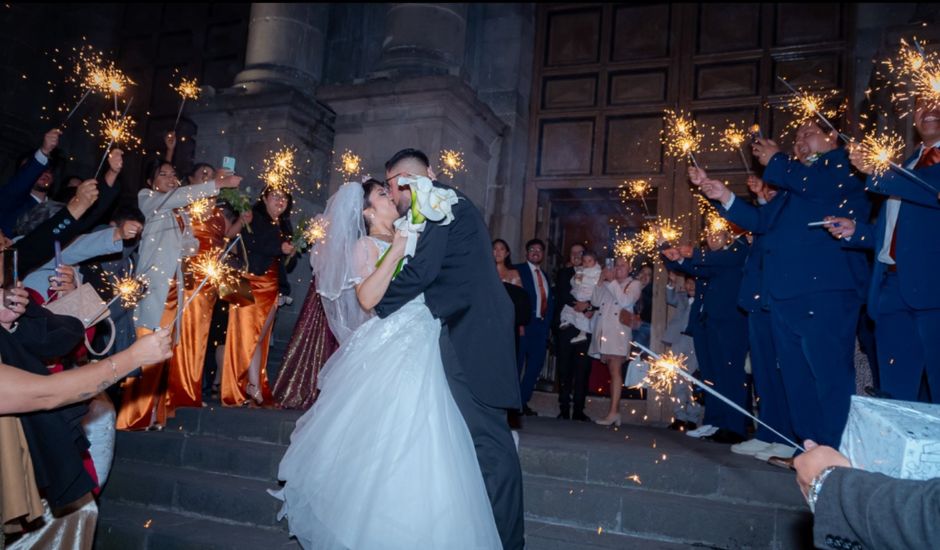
point(534, 249)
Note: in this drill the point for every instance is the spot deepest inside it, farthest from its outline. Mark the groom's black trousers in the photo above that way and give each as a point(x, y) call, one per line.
point(495, 449)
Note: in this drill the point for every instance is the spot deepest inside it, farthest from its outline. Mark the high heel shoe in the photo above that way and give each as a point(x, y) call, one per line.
point(254, 392)
point(608, 420)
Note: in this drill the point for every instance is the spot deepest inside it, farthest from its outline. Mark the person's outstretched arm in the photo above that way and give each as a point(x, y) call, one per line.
point(877, 511)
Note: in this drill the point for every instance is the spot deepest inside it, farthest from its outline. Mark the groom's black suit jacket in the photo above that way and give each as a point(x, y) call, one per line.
point(453, 267)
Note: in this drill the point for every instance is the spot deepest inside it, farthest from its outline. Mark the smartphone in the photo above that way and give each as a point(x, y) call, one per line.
point(228, 163)
point(609, 263)
point(9, 268)
point(58, 252)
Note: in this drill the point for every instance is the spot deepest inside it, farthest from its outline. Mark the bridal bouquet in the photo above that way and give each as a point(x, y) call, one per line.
point(428, 203)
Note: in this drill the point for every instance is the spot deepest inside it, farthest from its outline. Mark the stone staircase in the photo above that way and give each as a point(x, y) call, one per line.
point(202, 484)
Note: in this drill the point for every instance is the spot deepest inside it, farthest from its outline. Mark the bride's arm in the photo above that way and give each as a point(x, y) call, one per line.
point(372, 288)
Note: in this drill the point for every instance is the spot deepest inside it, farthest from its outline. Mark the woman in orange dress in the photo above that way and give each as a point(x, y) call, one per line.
point(244, 371)
point(210, 227)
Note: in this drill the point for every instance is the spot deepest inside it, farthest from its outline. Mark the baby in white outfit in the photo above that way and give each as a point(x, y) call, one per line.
point(582, 288)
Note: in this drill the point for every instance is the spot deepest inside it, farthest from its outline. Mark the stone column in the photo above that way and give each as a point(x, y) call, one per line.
point(424, 39)
point(285, 47)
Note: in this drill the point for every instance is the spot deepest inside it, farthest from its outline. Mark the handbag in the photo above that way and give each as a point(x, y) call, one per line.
point(636, 373)
point(83, 303)
point(86, 305)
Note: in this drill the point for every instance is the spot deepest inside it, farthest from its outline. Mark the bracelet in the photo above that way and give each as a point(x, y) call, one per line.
point(816, 486)
point(114, 376)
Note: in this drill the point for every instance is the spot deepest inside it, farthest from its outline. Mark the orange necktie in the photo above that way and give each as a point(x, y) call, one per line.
point(543, 298)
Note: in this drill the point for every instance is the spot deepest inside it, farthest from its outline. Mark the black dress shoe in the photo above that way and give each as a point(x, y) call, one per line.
point(725, 436)
point(528, 412)
point(564, 415)
point(682, 426)
point(582, 417)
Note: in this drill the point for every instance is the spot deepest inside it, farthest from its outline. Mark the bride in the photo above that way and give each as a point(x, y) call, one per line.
point(384, 458)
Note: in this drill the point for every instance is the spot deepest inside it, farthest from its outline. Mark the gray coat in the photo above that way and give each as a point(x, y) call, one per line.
point(163, 246)
point(858, 509)
point(681, 319)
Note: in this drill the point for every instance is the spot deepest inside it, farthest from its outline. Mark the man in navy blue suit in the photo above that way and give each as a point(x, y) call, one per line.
point(814, 286)
point(768, 382)
point(720, 328)
point(532, 345)
point(903, 298)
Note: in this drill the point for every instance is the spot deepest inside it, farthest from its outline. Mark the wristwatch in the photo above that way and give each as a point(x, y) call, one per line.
point(816, 486)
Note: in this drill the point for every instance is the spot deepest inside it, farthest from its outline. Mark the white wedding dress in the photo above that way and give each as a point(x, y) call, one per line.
point(384, 459)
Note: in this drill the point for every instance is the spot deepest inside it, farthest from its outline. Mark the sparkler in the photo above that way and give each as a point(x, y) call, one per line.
point(916, 73)
point(117, 131)
point(624, 248)
point(808, 106)
point(880, 152)
point(689, 378)
point(308, 233)
point(681, 137)
point(130, 290)
point(733, 138)
point(187, 89)
point(280, 170)
point(637, 189)
point(715, 224)
point(451, 162)
point(199, 210)
point(669, 230)
point(350, 164)
point(662, 374)
point(213, 269)
point(93, 74)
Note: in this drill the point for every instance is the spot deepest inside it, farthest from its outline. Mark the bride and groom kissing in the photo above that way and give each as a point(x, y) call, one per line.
point(407, 445)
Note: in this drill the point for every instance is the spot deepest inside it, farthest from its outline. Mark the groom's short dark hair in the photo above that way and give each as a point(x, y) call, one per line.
point(407, 154)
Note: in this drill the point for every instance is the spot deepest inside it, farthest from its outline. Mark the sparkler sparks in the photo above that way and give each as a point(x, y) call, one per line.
point(916, 73)
point(805, 106)
point(681, 136)
point(669, 230)
point(310, 232)
point(663, 374)
point(715, 224)
point(200, 210)
point(210, 266)
point(280, 170)
point(350, 164)
point(624, 248)
point(451, 162)
point(117, 130)
point(130, 290)
point(880, 151)
point(188, 88)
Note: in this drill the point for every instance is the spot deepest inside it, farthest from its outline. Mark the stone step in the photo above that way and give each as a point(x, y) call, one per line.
point(668, 517)
point(547, 536)
point(225, 498)
point(250, 459)
point(130, 527)
point(242, 424)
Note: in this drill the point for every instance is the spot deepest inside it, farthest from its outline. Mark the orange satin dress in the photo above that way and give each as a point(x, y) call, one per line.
point(144, 392)
point(244, 336)
point(184, 382)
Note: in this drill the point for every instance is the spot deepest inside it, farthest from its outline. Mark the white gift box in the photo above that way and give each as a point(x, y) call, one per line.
point(896, 438)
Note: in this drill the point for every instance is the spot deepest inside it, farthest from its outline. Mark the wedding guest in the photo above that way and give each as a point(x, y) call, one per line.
point(167, 238)
point(582, 286)
point(532, 344)
point(680, 294)
point(572, 359)
point(507, 273)
point(33, 170)
point(902, 296)
point(857, 509)
point(244, 373)
point(611, 342)
point(720, 330)
point(308, 349)
point(804, 271)
point(186, 367)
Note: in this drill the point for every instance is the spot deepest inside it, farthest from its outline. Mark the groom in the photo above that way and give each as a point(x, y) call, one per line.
point(453, 267)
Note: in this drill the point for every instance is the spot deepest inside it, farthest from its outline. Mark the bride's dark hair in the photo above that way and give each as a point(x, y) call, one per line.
point(367, 187)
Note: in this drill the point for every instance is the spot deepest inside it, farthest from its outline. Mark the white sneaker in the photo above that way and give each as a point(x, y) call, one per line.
point(750, 447)
point(776, 449)
point(581, 337)
point(702, 431)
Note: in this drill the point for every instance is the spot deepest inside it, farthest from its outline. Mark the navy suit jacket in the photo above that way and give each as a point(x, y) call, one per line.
point(917, 250)
point(797, 260)
point(528, 283)
point(718, 276)
point(751, 297)
point(14, 196)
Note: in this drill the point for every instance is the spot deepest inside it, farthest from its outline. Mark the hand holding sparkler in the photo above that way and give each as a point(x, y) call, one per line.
point(85, 196)
point(50, 141)
point(697, 175)
point(169, 140)
point(15, 300)
point(715, 190)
